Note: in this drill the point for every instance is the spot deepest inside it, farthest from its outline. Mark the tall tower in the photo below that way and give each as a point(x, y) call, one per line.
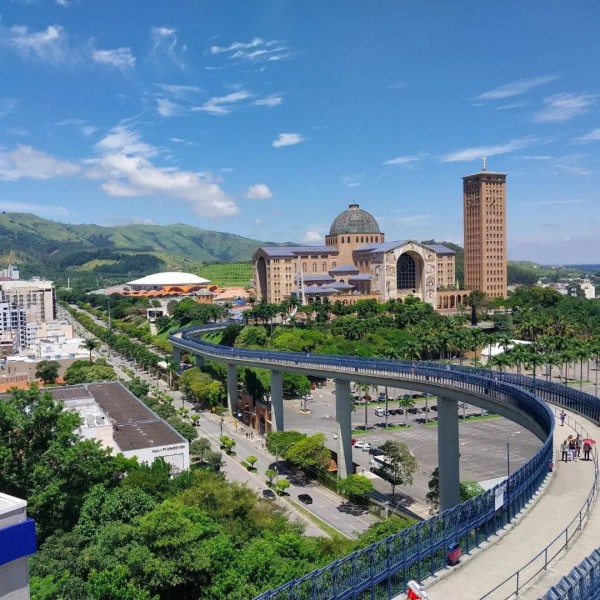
point(484, 209)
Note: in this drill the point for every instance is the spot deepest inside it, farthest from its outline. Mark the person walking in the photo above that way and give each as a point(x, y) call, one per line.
point(572, 449)
point(587, 448)
point(563, 416)
point(578, 444)
point(564, 450)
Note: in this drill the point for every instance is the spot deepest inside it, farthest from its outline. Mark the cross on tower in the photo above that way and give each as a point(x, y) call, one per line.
point(483, 158)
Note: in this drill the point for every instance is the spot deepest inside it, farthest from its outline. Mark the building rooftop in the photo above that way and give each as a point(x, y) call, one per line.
point(441, 249)
point(170, 278)
point(344, 269)
point(381, 247)
point(10, 503)
point(354, 220)
point(292, 251)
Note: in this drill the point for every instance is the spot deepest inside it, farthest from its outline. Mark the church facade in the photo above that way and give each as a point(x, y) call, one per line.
point(356, 263)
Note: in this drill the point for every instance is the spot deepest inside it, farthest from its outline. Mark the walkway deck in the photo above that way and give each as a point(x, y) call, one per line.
point(564, 496)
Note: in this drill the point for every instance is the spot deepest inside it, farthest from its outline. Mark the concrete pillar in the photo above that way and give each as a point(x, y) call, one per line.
point(177, 357)
point(343, 417)
point(448, 453)
point(277, 400)
point(199, 361)
point(232, 389)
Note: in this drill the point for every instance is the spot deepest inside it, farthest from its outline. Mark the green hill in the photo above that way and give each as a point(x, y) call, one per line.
point(87, 253)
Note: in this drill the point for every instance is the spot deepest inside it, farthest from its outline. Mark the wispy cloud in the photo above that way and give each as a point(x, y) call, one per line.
point(476, 152)
point(223, 105)
point(168, 108)
point(312, 237)
point(563, 107)
point(259, 191)
point(592, 136)
point(37, 209)
point(287, 139)
point(50, 46)
point(7, 106)
point(179, 91)
point(404, 160)
point(124, 140)
point(516, 88)
point(28, 162)
point(118, 58)
point(571, 164)
point(256, 49)
point(351, 181)
point(18, 131)
point(177, 140)
point(269, 101)
point(554, 203)
point(83, 126)
point(533, 157)
point(166, 47)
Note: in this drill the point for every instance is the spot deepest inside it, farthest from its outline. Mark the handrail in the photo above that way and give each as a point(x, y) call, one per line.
point(583, 581)
point(578, 518)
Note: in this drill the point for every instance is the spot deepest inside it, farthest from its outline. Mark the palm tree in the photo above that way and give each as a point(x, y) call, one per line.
point(364, 389)
point(406, 402)
point(90, 344)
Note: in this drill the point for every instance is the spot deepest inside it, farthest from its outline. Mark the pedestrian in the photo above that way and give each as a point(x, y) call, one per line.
point(578, 445)
point(572, 449)
point(564, 450)
point(563, 416)
point(587, 447)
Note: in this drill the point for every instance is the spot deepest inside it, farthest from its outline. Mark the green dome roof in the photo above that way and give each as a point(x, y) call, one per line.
point(354, 220)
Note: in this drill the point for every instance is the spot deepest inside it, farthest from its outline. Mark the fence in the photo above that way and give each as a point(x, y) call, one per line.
point(383, 569)
point(582, 583)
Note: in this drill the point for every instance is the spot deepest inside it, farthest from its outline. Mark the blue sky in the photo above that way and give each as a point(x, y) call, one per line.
point(267, 118)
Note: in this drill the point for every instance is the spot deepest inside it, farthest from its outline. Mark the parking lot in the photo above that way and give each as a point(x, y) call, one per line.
point(483, 443)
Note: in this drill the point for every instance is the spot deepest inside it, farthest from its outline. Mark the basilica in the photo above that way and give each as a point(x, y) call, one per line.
point(357, 263)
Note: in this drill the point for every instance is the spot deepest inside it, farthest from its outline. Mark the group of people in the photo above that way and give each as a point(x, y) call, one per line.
point(571, 449)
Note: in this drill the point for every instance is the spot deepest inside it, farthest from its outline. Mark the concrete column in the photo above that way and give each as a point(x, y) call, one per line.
point(277, 400)
point(448, 451)
point(177, 357)
point(343, 414)
point(232, 390)
point(199, 360)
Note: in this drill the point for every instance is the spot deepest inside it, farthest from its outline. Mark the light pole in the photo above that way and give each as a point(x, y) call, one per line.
point(221, 424)
point(508, 470)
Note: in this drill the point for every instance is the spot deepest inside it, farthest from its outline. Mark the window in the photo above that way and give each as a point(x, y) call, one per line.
point(406, 273)
point(314, 267)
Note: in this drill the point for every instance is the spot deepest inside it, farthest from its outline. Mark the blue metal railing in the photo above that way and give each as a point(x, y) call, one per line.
point(582, 583)
point(382, 569)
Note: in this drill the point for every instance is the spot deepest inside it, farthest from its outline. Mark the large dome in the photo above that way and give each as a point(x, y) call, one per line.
point(354, 220)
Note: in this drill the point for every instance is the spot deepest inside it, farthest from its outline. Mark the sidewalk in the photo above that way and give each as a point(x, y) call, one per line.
point(560, 502)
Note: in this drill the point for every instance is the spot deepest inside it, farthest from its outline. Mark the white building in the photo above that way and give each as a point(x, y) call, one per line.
point(11, 273)
point(588, 288)
point(13, 322)
point(17, 542)
point(35, 296)
point(159, 281)
point(58, 331)
point(112, 415)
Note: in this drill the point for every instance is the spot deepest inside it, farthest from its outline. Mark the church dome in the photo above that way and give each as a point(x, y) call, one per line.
point(354, 220)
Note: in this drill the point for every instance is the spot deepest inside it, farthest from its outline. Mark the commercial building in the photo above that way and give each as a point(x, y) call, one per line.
point(13, 324)
point(111, 414)
point(356, 263)
point(484, 208)
point(17, 542)
point(36, 297)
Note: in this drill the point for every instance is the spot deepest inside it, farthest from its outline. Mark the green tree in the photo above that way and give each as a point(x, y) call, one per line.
point(47, 370)
point(469, 489)
point(279, 441)
point(399, 465)
point(203, 454)
point(357, 488)
point(227, 443)
point(251, 460)
point(383, 529)
point(282, 485)
point(270, 474)
point(309, 452)
point(90, 344)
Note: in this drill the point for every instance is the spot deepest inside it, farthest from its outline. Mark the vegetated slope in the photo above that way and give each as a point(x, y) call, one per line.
point(43, 247)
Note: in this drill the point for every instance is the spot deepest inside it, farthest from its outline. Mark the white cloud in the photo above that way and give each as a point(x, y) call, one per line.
point(64, 3)
point(592, 136)
point(351, 180)
point(167, 108)
point(27, 162)
point(516, 88)
point(256, 49)
point(534, 157)
point(478, 151)
point(177, 140)
point(7, 106)
point(166, 47)
point(269, 101)
point(563, 107)
point(312, 237)
point(259, 191)
point(50, 45)
point(125, 141)
point(287, 139)
point(135, 176)
point(178, 91)
point(222, 105)
point(118, 58)
point(258, 221)
point(570, 164)
point(38, 209)
point(402, 160)
point(80, 124)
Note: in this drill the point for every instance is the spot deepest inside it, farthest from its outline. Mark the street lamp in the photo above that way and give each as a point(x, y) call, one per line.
point(221, 424)
point(508, 470)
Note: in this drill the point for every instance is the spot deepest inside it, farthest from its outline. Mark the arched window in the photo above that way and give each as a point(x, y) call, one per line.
point(333, 265)
point(406, 270)
point(324, 267)
point(304, 267)
point(314, 267)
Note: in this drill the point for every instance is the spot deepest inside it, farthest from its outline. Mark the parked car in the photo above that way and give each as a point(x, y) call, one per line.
point(359, 444)
point(269, 495)
point(380, 412)
point(434, 407)
point(305, 498)
point(366, 447)
point(308, 396)
point(413, 410)
point(373, 450)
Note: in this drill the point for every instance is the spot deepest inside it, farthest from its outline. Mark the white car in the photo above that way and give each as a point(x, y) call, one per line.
point(366, 447)
point(360, 444)
point(308, 396)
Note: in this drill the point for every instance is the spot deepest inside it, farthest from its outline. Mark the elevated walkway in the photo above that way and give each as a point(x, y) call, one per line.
point(554, 517)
